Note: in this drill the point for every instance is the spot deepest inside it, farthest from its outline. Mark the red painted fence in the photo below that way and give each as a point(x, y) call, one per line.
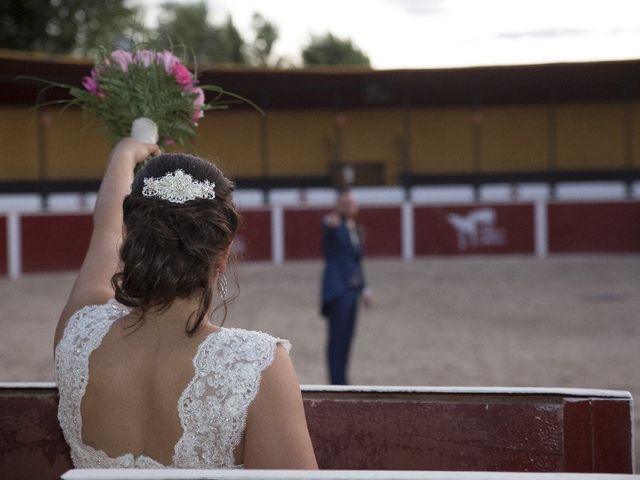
point(594, 227)
point(50, 242)
point(391, 428)
point(253, 239)
point(474, 229)
point(54, 242)
point(303, 233)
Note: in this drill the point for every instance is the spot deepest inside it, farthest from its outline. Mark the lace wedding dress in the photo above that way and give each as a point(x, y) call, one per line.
point(212, 408)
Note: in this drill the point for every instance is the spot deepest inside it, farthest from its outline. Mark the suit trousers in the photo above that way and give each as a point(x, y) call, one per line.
point(341, 313)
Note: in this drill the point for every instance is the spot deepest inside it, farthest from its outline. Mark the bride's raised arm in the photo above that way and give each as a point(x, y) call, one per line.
point(93, 284)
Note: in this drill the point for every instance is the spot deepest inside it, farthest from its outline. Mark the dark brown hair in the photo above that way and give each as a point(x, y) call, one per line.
point(170, 249)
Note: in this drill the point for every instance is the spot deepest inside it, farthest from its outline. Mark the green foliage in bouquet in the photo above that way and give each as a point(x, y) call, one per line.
point(145, 83)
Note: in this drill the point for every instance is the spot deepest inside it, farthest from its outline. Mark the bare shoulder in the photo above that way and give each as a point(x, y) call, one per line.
point(277, 435)
point(280, 377)
point(278, 386)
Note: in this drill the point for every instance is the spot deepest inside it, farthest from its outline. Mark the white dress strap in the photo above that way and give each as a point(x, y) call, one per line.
point(213, 408)
point(83, 333)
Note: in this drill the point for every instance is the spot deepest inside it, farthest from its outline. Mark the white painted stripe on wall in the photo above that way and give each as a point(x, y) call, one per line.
point(14, 245)
point(277, 234)
point(407, 232)
point(540, 228)
point(591, 191)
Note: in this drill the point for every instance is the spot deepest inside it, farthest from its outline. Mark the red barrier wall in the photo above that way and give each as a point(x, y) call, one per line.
point(3, 246)
point(303, 233)
point(58, 242)
point(54, 242)
point(253, 240)
point(474, 229)
point(383, 231)
point(594, 227)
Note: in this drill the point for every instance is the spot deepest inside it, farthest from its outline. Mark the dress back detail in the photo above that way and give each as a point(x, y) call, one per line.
point(212, 408)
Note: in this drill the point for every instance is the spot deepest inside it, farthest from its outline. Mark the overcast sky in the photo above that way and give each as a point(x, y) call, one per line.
point(449, 33)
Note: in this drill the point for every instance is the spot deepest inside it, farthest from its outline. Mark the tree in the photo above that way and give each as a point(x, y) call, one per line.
point(331, 50)
point(188, 24)
point(65, 26)
point(232, 42)
point(266, 34)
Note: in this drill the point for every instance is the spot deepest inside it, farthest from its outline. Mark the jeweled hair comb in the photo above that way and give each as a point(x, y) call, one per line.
point(178, 187)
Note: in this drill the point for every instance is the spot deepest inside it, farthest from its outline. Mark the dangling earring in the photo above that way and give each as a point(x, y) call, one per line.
point(222, 286)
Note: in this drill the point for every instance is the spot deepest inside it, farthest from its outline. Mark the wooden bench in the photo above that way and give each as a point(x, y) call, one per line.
point(391, 428)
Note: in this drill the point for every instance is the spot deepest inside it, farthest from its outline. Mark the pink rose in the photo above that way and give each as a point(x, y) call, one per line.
point(182, 75)
point(144, 57)
point(91, 83)
point(122, 58)
point(168, 59)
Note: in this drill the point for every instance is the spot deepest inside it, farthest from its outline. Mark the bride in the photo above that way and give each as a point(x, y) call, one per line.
point(145, 379)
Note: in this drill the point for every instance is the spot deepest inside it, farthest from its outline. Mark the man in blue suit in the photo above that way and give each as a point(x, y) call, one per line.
point(343, 282)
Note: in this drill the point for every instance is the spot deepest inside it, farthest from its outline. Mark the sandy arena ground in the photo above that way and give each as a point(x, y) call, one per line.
point(562, 322)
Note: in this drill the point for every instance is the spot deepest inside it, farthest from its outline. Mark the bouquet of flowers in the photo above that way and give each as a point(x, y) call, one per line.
point(147, 94)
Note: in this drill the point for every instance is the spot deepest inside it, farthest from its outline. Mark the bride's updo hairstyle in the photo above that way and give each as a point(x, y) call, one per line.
point(172, 250)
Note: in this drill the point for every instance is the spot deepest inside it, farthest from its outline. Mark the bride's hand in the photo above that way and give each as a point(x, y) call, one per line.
point(131, 150)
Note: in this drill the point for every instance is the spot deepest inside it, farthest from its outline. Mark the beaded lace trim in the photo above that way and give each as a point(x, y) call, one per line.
point(212, 409)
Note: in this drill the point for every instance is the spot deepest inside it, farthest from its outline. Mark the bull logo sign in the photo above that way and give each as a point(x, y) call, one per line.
point(477, 229)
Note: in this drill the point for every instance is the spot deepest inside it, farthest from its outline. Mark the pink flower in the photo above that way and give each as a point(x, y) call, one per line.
point(122, 58)
point(198, 102)
point(91, 83)
point(182, 75)
point(168, 59)
point(144, 57)
point(197, 115)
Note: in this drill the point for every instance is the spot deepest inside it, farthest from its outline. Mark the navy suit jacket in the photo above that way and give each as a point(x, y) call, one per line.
point(343, 264)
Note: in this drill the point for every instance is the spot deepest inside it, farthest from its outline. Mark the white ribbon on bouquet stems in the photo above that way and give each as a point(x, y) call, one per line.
point(144, 130)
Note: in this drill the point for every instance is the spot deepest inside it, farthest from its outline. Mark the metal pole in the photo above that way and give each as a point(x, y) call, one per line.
point(338, 146)
point(628, 147)
point(476, 156)
point(552, 148)
point(44, 120)
point(264, 157)
point(406, 150)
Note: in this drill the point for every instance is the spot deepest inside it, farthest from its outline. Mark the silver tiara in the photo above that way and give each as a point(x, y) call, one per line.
point(178, 187)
